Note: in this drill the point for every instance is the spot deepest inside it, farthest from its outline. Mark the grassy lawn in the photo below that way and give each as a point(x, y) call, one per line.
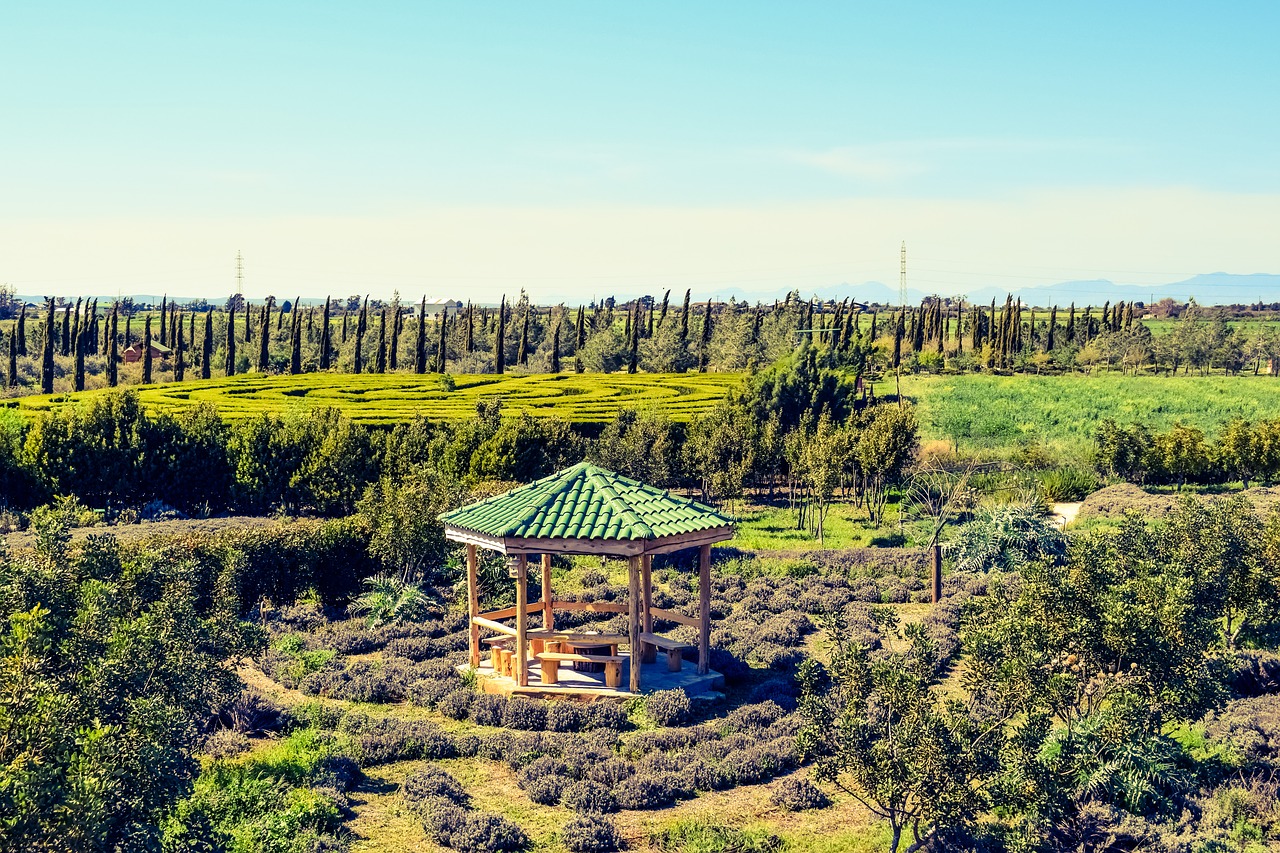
point(772, 527)
point(1000, 413)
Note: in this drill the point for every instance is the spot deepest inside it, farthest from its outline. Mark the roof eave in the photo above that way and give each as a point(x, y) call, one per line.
point(588, 547)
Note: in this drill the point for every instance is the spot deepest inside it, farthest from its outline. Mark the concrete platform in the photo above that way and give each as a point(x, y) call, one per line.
point(589, 686)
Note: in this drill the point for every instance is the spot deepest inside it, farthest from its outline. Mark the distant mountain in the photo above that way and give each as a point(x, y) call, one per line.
point(1217, 288)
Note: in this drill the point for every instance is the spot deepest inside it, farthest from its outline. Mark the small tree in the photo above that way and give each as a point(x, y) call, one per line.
point(883, 736)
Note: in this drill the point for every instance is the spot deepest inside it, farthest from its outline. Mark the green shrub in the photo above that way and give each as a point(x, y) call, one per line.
point(702, 836)
point(1067, 484)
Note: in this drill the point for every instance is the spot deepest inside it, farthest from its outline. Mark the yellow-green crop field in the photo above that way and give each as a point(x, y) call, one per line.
point(388, 398)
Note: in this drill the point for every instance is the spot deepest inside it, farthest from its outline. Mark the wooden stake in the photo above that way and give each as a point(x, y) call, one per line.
point(548, 617)
point(646, 601)
point(633, 620)
point(704, 610)
point(473, 604)
point(936, 555)
point(522, 620)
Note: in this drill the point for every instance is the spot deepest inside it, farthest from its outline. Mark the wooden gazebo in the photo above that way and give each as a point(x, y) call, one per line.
point(585, 510)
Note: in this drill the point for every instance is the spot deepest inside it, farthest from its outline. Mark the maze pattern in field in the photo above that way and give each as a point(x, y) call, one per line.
point(388, 398)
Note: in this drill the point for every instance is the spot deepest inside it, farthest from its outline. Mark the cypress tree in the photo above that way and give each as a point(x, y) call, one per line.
point(1070, 331)
point(295, 353)
point(64, 340)
point(1106, 315)
point(649, 332)
point(875, 315)
point(264, 337)
point(522, 357)
point(146, 353)
point(960, 327)
point(22, 330)
point(113, 353)
point(581, 330)
point(704, 347)
point(899, 332)
point(380, 362)
point(128, 329)
point(684, 319)
point(13, 361)
point(247, 324)
point(46, 360)
point(469, 345)
point(75, 329)
point(555, 349)
point(441, 351)
point(206, 354)
point(1128, 316)
point(633, 345)
point(1053, 325)
point(324, 336)
point(499, 340)
point(230, 366)
point(344, 326)
point(191, 332)
point(174, 317)
point(420, 356)
point(393, 349)
point(78, 377)
point(179, 365)
point(626, 329)
point(666, 298)
point(164, 310)
point(279, 314)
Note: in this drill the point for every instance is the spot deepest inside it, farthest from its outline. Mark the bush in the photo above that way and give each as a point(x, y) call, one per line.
point(604, 715)
point(524, 714)
point(593, 834)
point(339, 772)
point(456, 704)
point(487, 710)
point(797, 795)
point(432, 782)
point(226, 743)
point(644, 792)
point(388, 739)
point(610, 771)
point(546, 790)
point(668, 707)
point(442, 819)
point(564, 717)
point(587, 797)
point(545, 766)
point(312, 714)
point(483, 833)
point(427, 693)
point(466, 745)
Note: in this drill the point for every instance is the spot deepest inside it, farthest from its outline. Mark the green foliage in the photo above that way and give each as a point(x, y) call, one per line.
point(107, 659)
point(1067, 484)
point(695, 835)
point(388, 600)
point(880, 733)
point(401, 516)
point(1006, 538)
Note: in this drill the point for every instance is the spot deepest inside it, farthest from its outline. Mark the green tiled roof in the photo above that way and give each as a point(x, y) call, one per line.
point(585, 502)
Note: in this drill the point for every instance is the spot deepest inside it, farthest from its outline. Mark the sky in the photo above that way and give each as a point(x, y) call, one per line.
point(581, 149)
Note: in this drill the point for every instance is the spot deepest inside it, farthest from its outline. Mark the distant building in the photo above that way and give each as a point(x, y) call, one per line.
point(133, 352)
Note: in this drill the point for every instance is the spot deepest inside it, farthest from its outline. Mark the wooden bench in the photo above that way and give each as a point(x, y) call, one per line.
point(674, 650)
point(551, 666)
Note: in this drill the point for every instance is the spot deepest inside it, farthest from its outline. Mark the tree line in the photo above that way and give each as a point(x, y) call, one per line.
point(71, 346)
point(1243, 451)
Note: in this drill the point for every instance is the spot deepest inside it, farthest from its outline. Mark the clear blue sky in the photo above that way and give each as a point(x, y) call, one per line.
point(574, 148)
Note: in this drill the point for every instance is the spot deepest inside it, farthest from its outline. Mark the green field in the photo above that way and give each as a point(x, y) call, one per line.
point(1062, 412)
point(388, 398)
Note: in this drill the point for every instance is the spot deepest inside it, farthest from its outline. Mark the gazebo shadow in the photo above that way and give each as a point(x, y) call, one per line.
point(587, 510)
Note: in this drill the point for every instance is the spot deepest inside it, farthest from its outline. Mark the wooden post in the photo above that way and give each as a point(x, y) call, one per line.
point(473, 605)
point(646, 601)
point(633, 619)
point(704, 610)
point(936, 556)
point(522, 620)
point(548, 618)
